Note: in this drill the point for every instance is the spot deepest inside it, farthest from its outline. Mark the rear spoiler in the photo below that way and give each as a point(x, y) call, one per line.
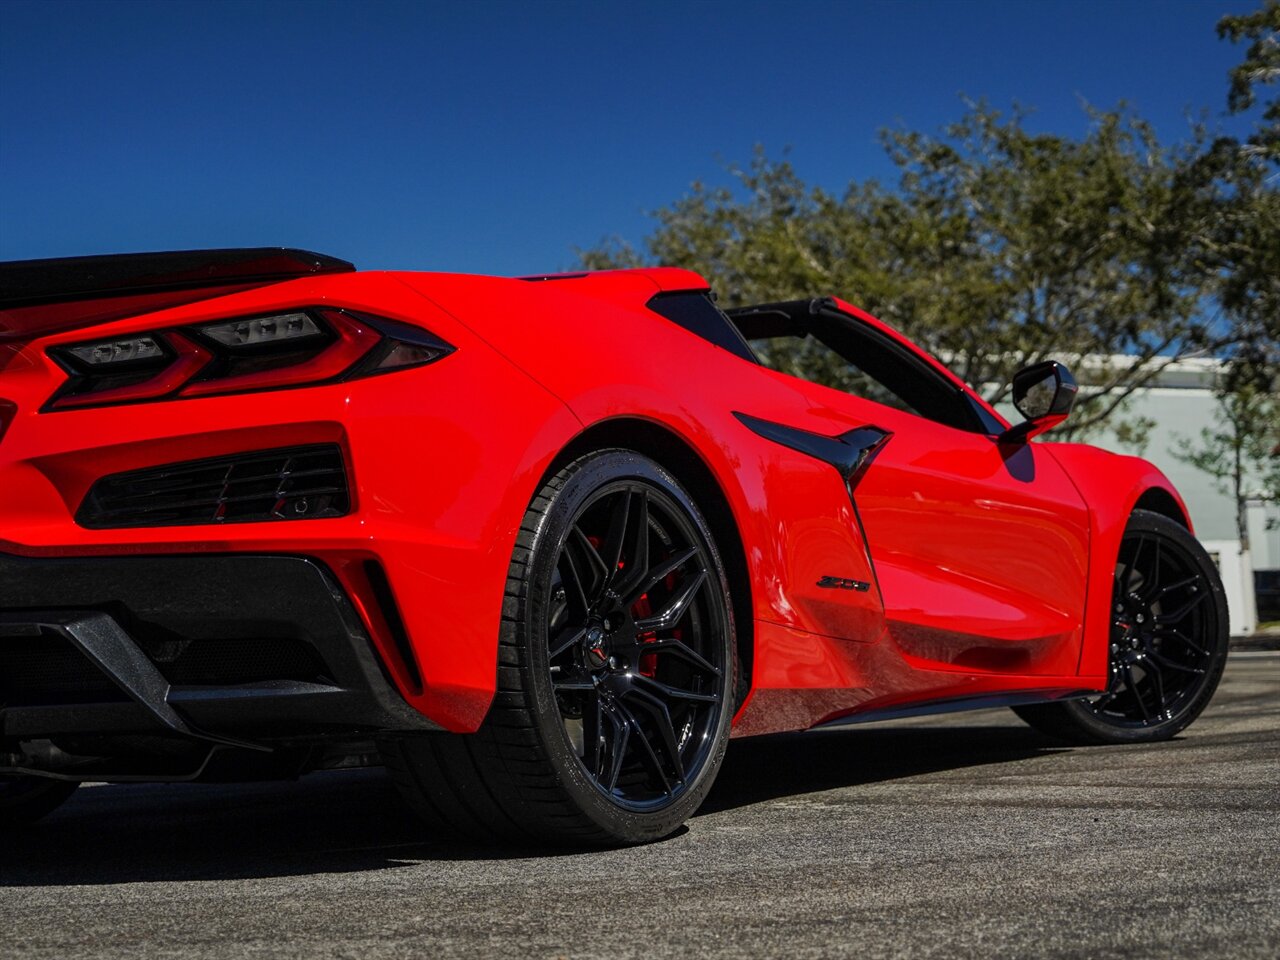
point(38, 297)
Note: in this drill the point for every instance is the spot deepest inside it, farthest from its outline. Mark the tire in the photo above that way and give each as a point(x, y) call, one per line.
point(25, 800)
point(616, 672)
point(1168, 644)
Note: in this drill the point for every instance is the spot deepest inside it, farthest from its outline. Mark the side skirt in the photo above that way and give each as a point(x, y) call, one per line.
point(957, 705)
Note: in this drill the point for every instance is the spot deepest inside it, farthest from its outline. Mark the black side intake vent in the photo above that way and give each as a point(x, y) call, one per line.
point(41, 669)
point(294, 483)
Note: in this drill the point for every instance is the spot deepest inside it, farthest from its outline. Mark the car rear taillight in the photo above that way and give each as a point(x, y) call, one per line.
point(303, 347)
point(286, 328)
point(113, 353)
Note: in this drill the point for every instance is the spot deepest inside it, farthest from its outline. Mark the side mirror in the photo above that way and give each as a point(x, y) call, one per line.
point(1043, 393)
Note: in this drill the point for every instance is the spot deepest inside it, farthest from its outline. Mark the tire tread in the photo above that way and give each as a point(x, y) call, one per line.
point(443, 774)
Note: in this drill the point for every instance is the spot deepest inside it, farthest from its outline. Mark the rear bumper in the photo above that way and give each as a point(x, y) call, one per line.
point(442, 462)
point(226, 649)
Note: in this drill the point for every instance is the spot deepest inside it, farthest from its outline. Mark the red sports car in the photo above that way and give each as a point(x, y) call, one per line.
point(541, 544)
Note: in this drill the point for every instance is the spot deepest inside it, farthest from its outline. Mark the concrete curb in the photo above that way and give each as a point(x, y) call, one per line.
point(1259, 641)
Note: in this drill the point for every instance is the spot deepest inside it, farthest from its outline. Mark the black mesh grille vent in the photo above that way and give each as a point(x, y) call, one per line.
point(297, 483)
point(230, 662)
point(44, 670)
point(47, 670)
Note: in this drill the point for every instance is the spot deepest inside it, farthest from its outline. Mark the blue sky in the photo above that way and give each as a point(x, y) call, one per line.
point(497, 137)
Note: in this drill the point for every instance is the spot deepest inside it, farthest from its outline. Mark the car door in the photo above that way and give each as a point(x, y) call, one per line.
point(979, 548)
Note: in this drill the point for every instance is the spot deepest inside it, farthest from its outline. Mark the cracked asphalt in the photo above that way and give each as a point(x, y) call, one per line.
point(957, 836)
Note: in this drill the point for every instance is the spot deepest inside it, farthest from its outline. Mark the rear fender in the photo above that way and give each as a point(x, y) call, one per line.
point(615, 360)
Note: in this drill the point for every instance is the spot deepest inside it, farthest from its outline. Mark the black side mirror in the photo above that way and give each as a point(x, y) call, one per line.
point(1043, 393)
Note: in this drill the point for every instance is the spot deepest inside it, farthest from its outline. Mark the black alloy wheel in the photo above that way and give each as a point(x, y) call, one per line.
point(617, 669)
point(1168, 642)
point(24, 800)
point(634, 650)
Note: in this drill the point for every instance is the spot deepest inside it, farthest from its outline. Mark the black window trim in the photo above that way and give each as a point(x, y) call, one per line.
point(731, 339)
point(797, 312)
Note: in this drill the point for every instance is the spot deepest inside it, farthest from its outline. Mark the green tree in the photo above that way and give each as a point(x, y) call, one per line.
point(1241, 451)
point(1239, 253)
point(1238, 184)
point(1248, 240)
point(1260, 68)
point(997, 247)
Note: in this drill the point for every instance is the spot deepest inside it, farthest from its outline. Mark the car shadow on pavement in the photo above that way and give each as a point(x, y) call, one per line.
point(347, 821)
point(354, 821)
point(759, 769)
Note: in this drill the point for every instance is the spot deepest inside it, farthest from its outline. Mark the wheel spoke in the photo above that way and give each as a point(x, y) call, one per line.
point(618, 747)
point(1137, 694)
point(1131, 566)
point(1181, 613)
point(1171, 665)
point(566, 638)
point(592, 733)
point(616, 538)
point(1152, 583)
point(680, 649)
point(573, 684)
point(1180, 636)
point(655, 576)
point(1195, 578)
point(677, 693)
point(647, 754)
point(666, 730)
point(575, 588)
point(637, 560)
point(676, 608)
point(1152, 670)
point(594, 562)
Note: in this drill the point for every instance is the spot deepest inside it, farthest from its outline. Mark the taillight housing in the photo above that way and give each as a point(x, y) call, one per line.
point(7, 410)
point(289, 348)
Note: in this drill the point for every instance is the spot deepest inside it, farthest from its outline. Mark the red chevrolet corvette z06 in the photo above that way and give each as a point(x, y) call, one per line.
point(542, 544)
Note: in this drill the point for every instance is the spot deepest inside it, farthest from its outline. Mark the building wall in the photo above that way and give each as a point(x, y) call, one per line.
point(1264, 535)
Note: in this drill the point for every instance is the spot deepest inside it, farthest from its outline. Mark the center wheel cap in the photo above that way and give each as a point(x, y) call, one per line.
point(593, 642)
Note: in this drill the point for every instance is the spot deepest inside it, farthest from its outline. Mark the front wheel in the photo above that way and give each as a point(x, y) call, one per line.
point(616, 671)
point(1168, 643)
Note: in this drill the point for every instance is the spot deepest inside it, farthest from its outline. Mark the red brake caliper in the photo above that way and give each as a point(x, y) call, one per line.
point(648, 665)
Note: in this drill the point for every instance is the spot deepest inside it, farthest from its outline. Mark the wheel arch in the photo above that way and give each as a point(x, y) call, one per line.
point(676, 455)
point(1161, 501)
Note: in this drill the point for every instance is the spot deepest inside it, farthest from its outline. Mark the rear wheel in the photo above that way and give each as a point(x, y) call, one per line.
point(616, 666)
point(24, 800)
point(1168, 643)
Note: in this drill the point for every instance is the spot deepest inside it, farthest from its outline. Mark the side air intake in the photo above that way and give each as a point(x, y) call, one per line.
point(295, 483)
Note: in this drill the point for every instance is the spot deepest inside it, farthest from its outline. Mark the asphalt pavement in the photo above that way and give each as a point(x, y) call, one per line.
point(958, 836)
